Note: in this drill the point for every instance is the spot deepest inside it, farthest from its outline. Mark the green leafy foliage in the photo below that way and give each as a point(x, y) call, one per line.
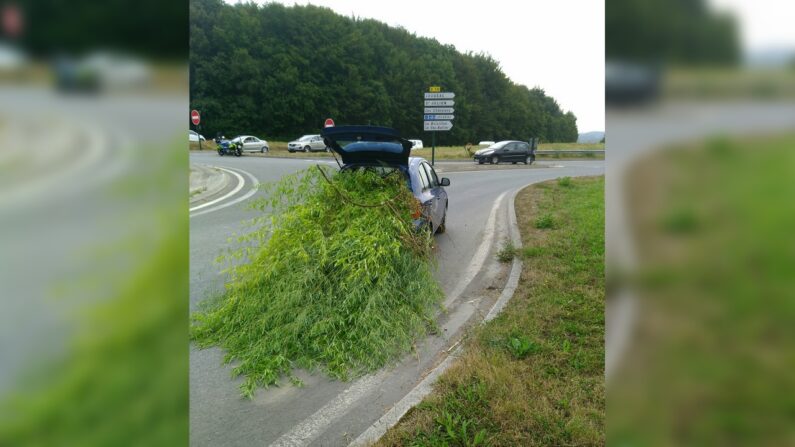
point(507, 252)
point(335, 278)
point(522, 346)
point(278, 72)
point(545, 221)
point(687, 32)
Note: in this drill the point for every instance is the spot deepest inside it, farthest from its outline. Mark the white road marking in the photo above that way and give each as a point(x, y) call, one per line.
point(311, 427)
point(96, 148)
point(489, 232)
point(245, 196)
point(240, 183)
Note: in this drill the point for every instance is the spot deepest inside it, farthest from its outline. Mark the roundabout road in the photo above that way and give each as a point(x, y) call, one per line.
point(326, 412)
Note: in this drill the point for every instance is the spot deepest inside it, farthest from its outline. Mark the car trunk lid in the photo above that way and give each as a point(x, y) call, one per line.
point(368, 145)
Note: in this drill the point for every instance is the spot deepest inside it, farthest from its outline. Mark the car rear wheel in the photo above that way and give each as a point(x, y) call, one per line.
point(480, 162)
point(307, 149)
point(529, 160)
point(238, 152)
point(495, 160)
point(443, 226)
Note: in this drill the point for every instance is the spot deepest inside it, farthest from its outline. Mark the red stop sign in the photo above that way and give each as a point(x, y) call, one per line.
point(329, 123)
point(194, 117)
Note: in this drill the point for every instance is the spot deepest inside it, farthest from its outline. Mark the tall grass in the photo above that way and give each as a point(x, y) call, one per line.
point(335, 279)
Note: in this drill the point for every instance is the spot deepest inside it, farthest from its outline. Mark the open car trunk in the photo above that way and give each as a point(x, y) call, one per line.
point(368, 145)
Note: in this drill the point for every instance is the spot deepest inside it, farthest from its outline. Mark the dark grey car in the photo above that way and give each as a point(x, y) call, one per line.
point(510, 151)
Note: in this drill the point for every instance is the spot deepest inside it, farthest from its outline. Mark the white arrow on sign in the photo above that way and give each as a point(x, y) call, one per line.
point(437, 102)
point(438, 125)
point(439, 110)
point(442, 95)
point(437, 117)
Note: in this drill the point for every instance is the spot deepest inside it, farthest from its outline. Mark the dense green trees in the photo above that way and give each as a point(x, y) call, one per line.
point(279, 71)
point(685, 32)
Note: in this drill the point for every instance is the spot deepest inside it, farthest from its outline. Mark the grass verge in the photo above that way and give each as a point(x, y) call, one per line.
point(710, 361)
point(535, 374)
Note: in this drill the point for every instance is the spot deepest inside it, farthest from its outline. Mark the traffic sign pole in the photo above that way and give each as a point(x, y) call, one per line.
point(433, 151)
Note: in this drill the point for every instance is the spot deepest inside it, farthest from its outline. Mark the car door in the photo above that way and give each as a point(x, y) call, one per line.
point(523, 152)
point(318, 144)
point(438, 195)
point(249, 144)
point(426, 195)
point(513, 150)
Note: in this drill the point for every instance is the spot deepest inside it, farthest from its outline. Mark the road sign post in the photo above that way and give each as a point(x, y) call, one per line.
point(438, 114)
point(195, 118)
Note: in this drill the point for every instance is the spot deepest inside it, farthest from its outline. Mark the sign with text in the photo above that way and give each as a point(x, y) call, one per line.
point(438, 110)
point(436, 102)
point(437, 117)
point(434, 89)
point(437, 125)
point(440, 95)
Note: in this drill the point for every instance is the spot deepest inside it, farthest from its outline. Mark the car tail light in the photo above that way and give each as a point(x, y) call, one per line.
point(416, 212)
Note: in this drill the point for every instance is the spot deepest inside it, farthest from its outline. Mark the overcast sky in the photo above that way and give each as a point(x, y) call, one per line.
point(557, 45)
point(764, 24)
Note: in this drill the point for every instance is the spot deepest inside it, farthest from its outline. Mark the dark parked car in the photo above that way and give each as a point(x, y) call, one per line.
point(383, 148)
point(512, 151)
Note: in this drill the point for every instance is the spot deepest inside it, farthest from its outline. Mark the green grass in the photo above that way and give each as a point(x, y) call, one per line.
point(711, 356)
point(333, 278)
point(534, 376)
point(507, 252)
point(545, 221)
point(727, 83)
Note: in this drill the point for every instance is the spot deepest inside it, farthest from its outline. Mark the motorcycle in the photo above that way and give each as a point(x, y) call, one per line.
point(226, 147)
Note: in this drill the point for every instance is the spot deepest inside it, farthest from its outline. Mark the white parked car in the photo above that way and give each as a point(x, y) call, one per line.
point(307, 143)
point(194, 136)
point(251, 143)
point(416, 144)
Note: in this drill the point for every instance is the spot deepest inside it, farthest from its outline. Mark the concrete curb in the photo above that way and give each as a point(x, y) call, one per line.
point(206, 181)
point(415, 396)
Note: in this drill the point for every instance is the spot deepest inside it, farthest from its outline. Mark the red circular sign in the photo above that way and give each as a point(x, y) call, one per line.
point(194, 117)
point(329, 123)
point(12, 20)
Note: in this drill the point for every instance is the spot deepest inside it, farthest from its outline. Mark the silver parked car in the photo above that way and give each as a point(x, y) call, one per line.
point(251, 144)
point(307, 143)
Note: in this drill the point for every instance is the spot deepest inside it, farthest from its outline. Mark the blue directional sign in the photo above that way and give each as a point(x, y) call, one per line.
point(437, 117)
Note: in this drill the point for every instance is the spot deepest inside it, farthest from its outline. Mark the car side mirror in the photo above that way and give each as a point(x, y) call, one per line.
point(445, 181)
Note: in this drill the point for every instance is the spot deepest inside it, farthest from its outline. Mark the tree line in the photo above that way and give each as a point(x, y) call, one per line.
point(279, 72)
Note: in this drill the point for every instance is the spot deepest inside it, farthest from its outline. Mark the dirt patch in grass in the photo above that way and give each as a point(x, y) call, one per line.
point(535, 374)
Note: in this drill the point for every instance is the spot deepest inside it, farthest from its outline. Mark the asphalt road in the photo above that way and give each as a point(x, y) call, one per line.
point(326, 412)
point(62, 160)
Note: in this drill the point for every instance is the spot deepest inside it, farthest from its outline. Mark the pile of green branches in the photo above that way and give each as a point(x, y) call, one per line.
point(333, 278)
